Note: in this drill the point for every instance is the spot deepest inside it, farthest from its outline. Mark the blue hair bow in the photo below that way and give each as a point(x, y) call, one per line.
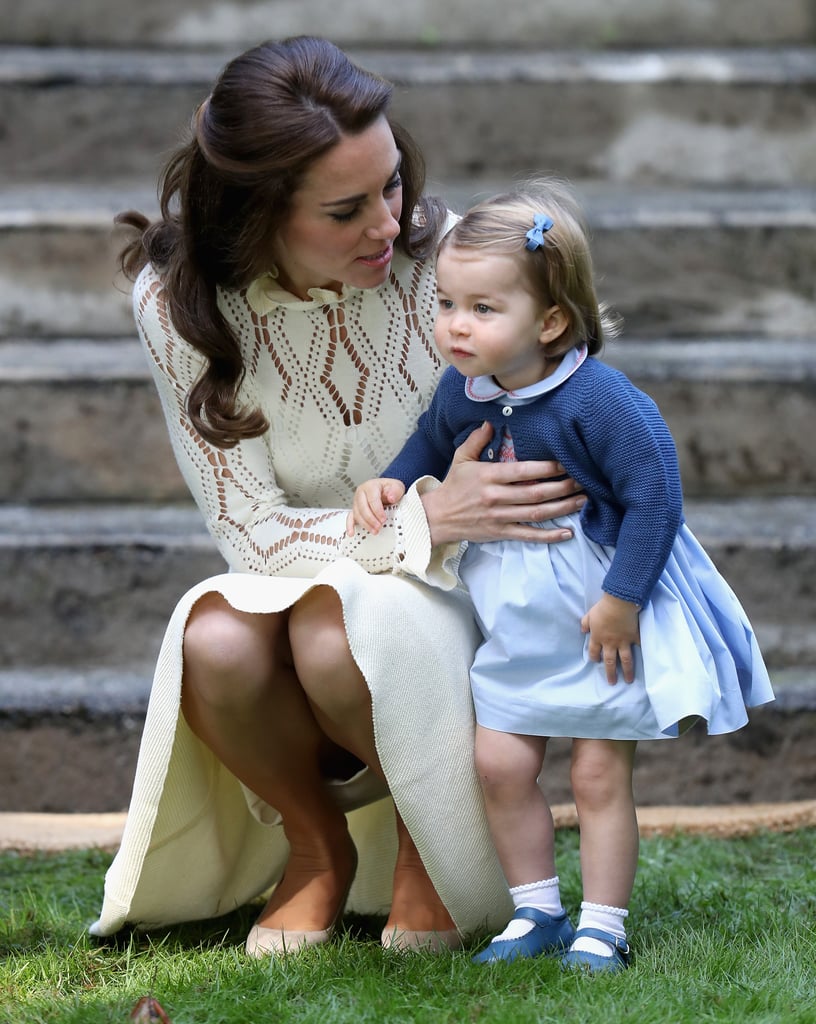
point(535, 236)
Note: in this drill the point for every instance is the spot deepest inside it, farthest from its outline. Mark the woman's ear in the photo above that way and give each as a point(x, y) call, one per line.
point(553, 325)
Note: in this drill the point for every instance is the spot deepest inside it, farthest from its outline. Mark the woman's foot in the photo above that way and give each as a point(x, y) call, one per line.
point(418, 918)
point(308, 901)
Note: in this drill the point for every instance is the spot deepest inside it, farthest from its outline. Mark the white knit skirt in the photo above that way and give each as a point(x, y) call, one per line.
point(197, 844)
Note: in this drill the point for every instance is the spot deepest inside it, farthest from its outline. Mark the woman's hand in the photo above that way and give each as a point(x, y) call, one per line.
point(613, 628)
point(483, 501)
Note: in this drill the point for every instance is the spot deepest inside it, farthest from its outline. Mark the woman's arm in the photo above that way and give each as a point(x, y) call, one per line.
point(253, 520)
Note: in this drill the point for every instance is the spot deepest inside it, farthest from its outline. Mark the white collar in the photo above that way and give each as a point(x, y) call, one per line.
point(485, 388)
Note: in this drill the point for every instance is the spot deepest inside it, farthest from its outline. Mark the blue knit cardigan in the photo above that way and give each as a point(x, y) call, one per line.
point(608, 435)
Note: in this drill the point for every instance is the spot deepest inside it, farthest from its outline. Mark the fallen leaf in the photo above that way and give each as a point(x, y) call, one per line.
point(148, 1009)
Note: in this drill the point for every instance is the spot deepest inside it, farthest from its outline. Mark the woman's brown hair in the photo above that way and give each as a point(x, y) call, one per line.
point(225, 193)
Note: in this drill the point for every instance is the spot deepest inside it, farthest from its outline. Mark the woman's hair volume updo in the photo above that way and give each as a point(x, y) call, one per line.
point(225, 193)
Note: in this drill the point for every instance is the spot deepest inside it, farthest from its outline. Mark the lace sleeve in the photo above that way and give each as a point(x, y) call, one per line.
point(256, 525)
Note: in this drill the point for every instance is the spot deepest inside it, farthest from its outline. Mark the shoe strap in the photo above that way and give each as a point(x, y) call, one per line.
point(621, 946)
point(536, 915)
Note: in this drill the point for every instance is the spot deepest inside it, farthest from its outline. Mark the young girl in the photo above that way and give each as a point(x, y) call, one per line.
point(624, 634)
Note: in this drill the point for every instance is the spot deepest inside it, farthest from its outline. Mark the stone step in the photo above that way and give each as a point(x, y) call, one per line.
point(672, 261)
point(69, 742)
point(83, 421)
point(678, 116)
point(241, 23)
point(92, 586)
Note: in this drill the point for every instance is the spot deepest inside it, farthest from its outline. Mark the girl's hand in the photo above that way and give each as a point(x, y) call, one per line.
point(368, 506)
point(484, 501)
point(613, 627)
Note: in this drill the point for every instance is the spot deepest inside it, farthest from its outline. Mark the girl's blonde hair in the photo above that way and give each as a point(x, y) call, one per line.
point(558, 273)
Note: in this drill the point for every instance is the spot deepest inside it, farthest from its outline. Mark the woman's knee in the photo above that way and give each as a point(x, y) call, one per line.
point(228, 654)
point(317, 633)
point(321, 653)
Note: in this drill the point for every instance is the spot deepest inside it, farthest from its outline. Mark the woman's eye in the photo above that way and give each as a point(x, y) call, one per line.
point(393, 184)
point(341, 218)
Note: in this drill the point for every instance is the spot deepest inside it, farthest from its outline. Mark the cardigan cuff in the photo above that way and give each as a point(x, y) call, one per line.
point(436, 566)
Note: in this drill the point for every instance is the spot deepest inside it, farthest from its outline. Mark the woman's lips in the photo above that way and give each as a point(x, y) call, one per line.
point(378, 259)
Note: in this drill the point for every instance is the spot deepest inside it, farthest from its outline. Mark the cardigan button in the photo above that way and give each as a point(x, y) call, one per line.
point(490, 453)
point(507, 410)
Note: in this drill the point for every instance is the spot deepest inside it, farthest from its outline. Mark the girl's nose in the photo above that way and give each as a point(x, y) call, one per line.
point(459, 324)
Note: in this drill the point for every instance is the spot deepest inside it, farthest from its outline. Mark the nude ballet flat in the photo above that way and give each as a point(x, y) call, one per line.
point(431, 942)
point(262, 942)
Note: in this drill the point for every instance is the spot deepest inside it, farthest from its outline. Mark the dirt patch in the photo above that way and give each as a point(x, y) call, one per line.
point(69, 766)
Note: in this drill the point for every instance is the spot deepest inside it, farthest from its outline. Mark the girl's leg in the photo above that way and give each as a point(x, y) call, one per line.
point(241, 697)
point(517, 811)
point(341, 703)
point(601, 777)
point(522, 828)
point(602, 787)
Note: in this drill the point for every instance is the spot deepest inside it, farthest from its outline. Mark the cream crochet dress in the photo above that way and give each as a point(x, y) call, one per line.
point(342, 379)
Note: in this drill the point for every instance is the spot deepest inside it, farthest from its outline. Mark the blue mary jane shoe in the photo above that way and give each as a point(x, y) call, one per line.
point(548, 935)
point(594, 963)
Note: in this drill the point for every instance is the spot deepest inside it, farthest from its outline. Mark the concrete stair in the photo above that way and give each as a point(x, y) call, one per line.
point(202, 24)
point(691, 137)
point(681, 116)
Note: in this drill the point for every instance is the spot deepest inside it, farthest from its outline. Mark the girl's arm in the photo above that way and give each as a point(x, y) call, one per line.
point(631, 444)
point(371, 499)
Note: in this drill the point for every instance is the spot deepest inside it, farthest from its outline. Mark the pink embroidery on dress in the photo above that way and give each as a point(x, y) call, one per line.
point(507, 450)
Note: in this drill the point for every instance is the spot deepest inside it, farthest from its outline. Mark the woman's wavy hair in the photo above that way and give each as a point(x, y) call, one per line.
point(225, 193)
point(557, 273)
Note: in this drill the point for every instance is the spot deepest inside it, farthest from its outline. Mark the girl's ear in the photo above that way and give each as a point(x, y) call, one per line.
point(553, 325)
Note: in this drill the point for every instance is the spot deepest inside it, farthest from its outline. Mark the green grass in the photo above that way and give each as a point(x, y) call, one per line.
point(723, 930)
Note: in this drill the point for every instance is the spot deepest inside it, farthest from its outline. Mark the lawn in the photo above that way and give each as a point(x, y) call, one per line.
point(722, 930)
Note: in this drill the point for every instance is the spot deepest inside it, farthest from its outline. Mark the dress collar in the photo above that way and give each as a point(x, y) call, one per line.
point(485, 389)
point(266, 294)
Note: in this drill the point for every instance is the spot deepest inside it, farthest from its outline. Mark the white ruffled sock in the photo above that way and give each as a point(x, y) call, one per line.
point(543, 895)
point(608, 919)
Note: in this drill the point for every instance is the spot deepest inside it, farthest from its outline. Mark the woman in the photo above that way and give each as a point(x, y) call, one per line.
point(285, 300)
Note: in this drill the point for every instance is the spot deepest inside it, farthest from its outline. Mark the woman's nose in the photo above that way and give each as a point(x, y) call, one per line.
point(385, 225)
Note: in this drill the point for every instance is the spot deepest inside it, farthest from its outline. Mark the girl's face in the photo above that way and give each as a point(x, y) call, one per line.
point(488, 323)
point(344, 217)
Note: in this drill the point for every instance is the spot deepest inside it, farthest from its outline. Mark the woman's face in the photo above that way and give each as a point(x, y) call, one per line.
point(344, 217)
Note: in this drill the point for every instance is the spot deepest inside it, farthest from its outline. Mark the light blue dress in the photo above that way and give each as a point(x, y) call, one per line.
point(698, 657)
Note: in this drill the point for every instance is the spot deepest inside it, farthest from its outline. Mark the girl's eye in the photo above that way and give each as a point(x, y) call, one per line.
point(482, 308)
point(445, 304)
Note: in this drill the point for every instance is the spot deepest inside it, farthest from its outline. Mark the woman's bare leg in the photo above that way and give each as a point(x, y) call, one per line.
point(342, 705)
point(241, 697)
point(601, 775)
